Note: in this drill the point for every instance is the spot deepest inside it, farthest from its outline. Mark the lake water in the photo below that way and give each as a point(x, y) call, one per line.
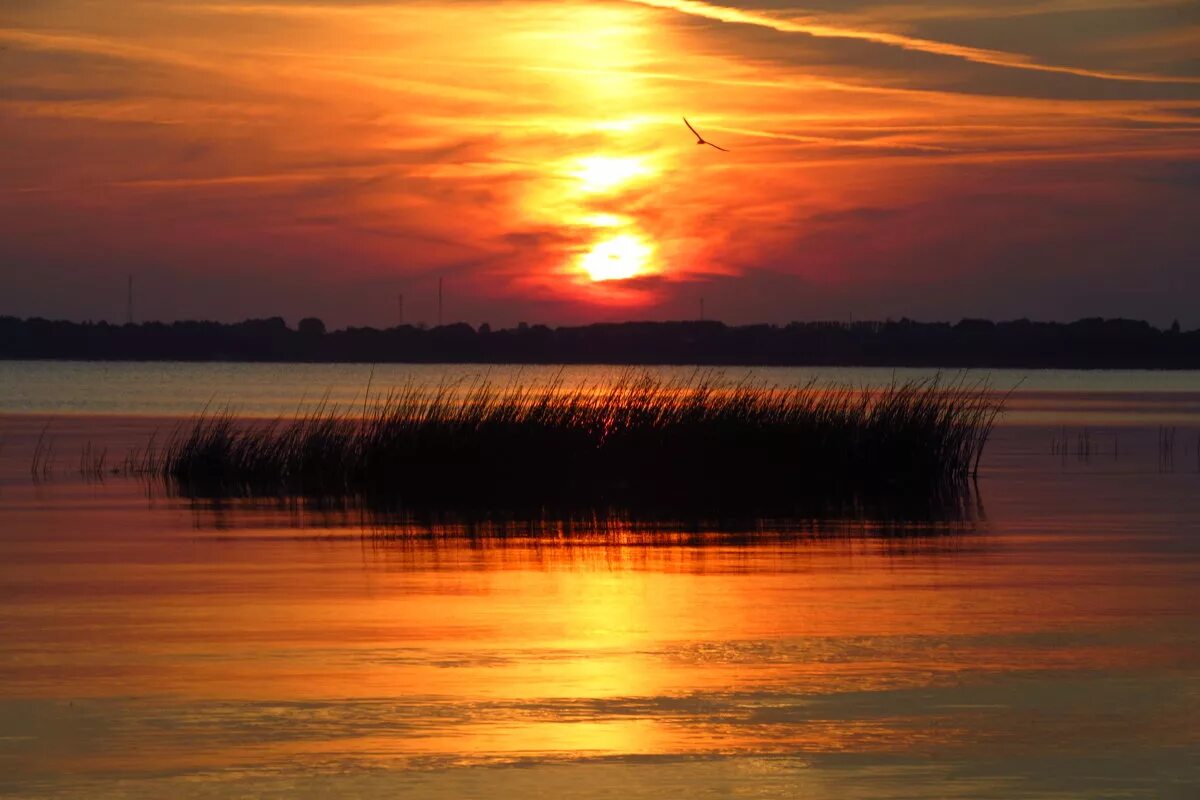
point(1041, 641)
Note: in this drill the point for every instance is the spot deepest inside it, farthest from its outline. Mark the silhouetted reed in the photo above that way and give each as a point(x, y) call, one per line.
point(638, 439)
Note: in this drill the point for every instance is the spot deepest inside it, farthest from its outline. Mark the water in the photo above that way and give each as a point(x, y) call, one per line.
point(1042, 641)
point(269, 390)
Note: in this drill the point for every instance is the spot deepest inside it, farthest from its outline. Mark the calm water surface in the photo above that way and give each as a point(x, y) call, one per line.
point(1041, 641)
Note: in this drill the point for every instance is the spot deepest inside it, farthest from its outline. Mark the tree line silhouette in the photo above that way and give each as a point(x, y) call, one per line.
point(1087, 343)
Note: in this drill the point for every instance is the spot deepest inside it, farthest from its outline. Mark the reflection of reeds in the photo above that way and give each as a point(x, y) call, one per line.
point(891, 515)
point(1166, 448)
point(894, 520)
point(1082, 444)
point(92, 463)
point(636, 438)
point(43, 456)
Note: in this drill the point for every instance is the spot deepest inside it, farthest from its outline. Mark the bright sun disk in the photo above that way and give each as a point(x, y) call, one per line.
point(616, 259)
point(605, 220)
point(602, 173)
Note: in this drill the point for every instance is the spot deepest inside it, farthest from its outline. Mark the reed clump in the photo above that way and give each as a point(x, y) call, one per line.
point(638, 438)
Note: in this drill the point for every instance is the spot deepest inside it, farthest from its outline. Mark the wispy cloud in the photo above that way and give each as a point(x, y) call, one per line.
point(814, 27)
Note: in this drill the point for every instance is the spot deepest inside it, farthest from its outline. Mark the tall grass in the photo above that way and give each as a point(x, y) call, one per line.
point(639, 438)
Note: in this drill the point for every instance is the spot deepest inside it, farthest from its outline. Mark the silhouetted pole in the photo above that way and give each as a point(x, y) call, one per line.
point(439, 302)
point(400, 309)
point(129, 303)
point(702, 309)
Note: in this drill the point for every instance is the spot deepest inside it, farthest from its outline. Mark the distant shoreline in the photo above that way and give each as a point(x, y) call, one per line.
point(968, 344)
point(600, 364)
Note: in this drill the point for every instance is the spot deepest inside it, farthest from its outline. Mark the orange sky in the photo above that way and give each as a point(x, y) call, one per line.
point(928, 158)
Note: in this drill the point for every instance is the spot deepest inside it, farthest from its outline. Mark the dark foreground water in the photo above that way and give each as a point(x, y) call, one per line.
point(1040, 640)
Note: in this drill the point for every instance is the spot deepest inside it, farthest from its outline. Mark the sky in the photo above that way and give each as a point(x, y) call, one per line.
point(931, 159)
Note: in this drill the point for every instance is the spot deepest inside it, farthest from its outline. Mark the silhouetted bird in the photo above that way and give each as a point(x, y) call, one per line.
point(700, 139)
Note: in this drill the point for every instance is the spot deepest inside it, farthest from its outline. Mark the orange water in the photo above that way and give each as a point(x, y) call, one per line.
point(1046, 642)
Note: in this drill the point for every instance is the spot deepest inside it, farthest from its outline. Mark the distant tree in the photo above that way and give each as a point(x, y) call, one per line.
point(312, 326)
point(1089, 343)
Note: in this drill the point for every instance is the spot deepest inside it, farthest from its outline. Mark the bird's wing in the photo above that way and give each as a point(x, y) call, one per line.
point(722, 149)
point(693, 130)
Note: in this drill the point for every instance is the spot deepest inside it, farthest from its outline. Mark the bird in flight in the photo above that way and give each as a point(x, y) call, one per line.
point(700, 139)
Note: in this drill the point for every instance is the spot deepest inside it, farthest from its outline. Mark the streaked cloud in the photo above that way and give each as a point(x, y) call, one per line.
point(812, 26)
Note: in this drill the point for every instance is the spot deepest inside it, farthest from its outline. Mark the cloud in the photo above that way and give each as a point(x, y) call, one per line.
point(813, 27)
point(862, 214)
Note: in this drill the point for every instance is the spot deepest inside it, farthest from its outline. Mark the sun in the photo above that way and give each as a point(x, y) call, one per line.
point(603, 173)
point(617, 259)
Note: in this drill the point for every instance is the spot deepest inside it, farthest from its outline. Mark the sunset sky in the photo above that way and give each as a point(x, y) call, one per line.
point(927, 158)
